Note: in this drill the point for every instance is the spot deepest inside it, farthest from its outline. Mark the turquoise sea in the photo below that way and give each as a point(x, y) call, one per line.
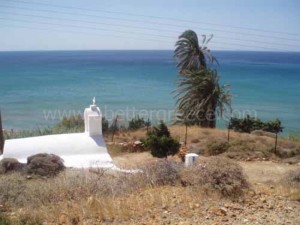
point(38, 88)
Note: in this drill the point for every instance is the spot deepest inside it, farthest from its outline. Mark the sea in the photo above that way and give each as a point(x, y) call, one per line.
point(38, 88)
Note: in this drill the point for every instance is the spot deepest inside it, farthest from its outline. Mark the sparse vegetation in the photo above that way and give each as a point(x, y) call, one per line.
point(162, 172)
point(217, 173)
point(74, 123)
point(294, 176)
point(216, 147)
point(249, 124)
point(165, 185)
point(138, 123)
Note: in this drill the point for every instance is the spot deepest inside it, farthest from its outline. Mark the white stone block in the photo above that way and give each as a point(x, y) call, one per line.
point(190, 159)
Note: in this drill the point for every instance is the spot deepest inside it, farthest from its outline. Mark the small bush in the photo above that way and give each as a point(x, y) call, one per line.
point(10, 164)
point(137, 123)
point(161, 172)
point(294, 176)
point(44, 164)
point(250, 124)
point(217, 173)
point(160, 142)
point(217, 147)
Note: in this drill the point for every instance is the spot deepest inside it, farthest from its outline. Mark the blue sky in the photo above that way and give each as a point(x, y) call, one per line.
point(264, 25)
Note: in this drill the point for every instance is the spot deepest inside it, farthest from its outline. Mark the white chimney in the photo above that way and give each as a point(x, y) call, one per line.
point(93, 120)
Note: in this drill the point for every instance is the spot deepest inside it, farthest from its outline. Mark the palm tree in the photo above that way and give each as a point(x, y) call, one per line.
point(190, 54)
point(200, 98)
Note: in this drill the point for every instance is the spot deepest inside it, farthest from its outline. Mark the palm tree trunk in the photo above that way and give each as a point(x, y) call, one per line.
point(209, 120)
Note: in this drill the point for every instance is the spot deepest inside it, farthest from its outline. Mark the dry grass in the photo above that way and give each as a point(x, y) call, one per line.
point(9, 165)
point(242, 146)
point(273, 178)
point(217, 173)
point(75, 196)
point(80, 197)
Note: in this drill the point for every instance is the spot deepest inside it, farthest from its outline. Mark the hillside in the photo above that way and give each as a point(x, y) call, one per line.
point(104, 197)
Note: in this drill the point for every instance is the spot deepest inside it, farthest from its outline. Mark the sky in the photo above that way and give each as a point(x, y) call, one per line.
point(257, 25)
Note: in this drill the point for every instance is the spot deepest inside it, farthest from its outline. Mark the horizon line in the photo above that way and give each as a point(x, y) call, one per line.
point(73, 50)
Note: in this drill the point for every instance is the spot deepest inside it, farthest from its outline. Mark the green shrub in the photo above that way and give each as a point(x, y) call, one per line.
point(44, 164)
point(137, 123)
point(217, 173)
point(160, 142)
point(216, 147)
point(249, 124)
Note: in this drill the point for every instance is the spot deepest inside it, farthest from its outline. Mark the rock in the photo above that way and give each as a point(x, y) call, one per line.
point(3, 209)
point(219, 211)
point(63, 219)
point(225, 219)
point(164, 207)
point(263, 200)
point(223, 211)
point(138, 142)
point(227, 205)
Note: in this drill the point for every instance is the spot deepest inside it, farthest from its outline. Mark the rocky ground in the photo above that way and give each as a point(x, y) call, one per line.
point(268, 202)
